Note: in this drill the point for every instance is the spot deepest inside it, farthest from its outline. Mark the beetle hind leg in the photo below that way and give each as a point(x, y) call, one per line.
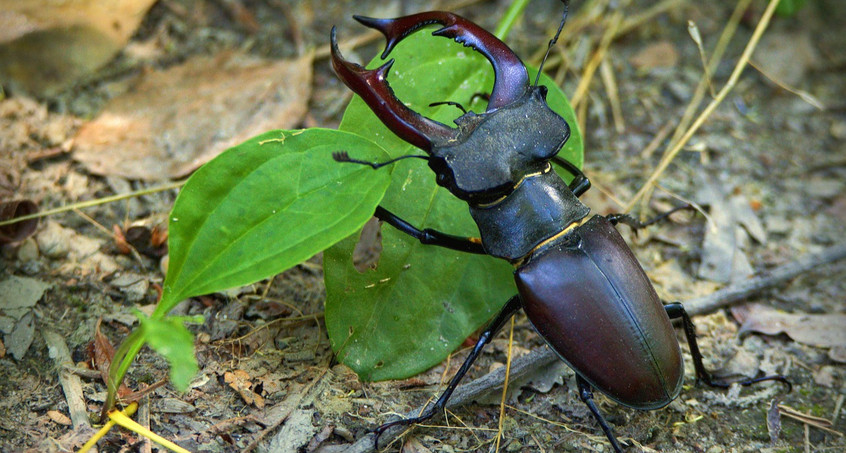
point(676, 310)
point(586, 395)
point(504, 315)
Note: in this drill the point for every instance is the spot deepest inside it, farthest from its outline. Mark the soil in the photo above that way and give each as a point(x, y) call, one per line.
point(769, 158)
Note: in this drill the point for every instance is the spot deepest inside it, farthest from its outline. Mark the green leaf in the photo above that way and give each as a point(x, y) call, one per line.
point(422, 301)
point(787, 8)
point(170, 338)
point(266, 205)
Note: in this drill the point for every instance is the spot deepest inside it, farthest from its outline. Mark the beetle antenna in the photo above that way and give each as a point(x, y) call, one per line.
point(554, 38)
point(343, 156)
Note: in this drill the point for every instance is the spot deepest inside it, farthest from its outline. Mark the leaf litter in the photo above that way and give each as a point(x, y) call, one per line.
point(177, 119)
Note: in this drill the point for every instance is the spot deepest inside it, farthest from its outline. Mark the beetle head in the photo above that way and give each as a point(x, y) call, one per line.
point(487, 154)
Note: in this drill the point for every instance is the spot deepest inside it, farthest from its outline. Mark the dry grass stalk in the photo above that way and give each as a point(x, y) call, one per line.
point(706, 113)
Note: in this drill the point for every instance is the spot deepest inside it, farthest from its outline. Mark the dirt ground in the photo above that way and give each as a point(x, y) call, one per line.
point(769, 164)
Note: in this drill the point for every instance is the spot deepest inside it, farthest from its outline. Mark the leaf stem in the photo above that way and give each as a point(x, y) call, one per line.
point(512, 14)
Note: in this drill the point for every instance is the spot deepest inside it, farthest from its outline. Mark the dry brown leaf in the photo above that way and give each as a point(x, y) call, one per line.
point(239, 380)
point(824, 331)
point(58, 417)
point(17, 231)
point(101, 353)
point(46, 45)
point(662, 54)
point(178, 119)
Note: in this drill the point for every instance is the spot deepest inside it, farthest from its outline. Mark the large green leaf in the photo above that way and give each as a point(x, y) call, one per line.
point(266, 205)
point(422, 301)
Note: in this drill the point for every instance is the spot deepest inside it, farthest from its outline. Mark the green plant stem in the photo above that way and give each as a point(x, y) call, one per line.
point(122, 360)
point(512, 14)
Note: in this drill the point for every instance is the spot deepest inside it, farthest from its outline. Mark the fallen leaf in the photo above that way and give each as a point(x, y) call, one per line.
point(101, 353)
point(18, 342)
point(662, 54)
point(732, 222)
point(177, 119)
point(47, 45)
point(823, 331)
point(59, 418)
point(239, 380)
point(21, 230)
point(19, 294)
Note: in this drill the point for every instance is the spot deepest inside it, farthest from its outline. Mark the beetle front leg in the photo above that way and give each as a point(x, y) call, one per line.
point(676, 310)
point(580, 183)
point(586, 395)
point(511, 307)
point(429, 236)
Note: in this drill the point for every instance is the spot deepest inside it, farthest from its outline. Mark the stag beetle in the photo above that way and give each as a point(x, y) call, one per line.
point(578, 282)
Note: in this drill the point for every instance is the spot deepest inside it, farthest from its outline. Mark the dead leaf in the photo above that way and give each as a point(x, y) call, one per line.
point(822, 331)
point(413, 445)
point(101, 353)
point(239, 380)
point(19, 294)
point(662, 54)
point(47, 45)
point(732, 223)
point(59, 418)
point(21, 230)
point(180, 118)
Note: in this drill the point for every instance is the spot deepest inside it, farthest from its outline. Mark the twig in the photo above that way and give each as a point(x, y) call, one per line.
point(543, 356)
point(782, 274)
point(71, 384)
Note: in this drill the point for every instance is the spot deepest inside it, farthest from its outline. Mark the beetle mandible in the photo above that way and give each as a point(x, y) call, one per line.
point(578, 282)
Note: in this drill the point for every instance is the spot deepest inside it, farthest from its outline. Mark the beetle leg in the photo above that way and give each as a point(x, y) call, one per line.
point(429, 236)
point(580, 183)
point(586, 395)
point(636, 224)
point(511, 307)
point(676, 310)
point(510, 76)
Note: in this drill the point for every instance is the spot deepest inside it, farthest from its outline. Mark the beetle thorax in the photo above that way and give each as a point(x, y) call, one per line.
point(495, 150)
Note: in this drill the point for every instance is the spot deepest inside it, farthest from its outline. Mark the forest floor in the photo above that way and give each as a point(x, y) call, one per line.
point(769, 165)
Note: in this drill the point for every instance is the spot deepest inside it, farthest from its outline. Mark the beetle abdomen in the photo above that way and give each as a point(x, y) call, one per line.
point(589, 298)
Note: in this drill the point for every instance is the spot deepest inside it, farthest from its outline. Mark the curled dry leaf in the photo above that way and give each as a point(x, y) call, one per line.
point(824, 331)
point(180, 118)
point(21, 230)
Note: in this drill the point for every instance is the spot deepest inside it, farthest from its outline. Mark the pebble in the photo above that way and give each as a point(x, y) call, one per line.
point(53, 241)
point(28, 251)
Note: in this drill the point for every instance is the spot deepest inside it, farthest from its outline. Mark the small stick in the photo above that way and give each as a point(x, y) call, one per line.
point(71, 384)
